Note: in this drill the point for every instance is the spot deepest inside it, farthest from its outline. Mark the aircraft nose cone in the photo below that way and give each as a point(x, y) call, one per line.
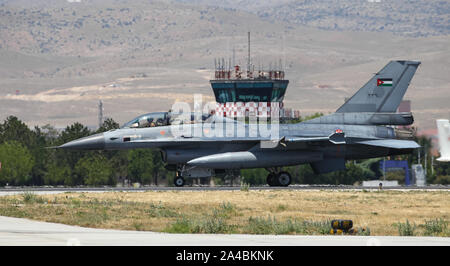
point(94, 142)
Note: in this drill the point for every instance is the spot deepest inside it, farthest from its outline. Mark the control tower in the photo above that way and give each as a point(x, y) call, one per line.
point(248, 93)
point(259, 95)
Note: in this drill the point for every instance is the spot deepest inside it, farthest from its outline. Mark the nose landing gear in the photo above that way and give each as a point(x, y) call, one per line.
point(179, 180)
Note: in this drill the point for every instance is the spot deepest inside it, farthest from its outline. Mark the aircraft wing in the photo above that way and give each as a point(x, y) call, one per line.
point(390, 143)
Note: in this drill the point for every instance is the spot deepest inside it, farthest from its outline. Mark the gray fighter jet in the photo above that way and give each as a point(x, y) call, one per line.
point(361, 128)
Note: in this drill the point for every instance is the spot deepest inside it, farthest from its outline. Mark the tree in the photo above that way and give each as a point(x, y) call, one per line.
point(94, 170)
point(140, 165)
point(254, 176)
point(58, 175)
point(117, 158)
point(302, 174)
point(442, 179)
point(50, 133)
point(14, 129)
point(41, 155)
point(107, 125)
point(35, 140)
point(352, 174)
point(64, 158)
point(17, 163)
point(72, 132)
point(158, 169)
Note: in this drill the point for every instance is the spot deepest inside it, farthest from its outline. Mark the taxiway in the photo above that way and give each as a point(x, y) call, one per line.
point(24, 232)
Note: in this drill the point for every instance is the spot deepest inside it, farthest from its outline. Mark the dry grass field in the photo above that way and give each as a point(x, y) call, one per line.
point(254, 212)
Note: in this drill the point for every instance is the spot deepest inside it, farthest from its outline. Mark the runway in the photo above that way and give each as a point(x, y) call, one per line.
point(23, 232)
point(51, 190)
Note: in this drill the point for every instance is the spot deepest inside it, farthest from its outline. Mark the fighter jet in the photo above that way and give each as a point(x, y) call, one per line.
point(363, 127)
point(443, 126)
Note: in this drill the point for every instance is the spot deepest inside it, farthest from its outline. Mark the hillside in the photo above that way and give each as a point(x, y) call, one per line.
point(58, 58)
point(414, 18)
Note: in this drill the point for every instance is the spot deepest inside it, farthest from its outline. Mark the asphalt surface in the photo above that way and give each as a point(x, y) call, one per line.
point(49, 190)
point(23, 232)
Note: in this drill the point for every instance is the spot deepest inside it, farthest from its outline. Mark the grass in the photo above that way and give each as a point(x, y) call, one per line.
point(245, 186)
point(206, 225)
point(270, 225)
point(406, 229)
point(417, 213)
point(436, 227)
point(159, 210)
point(29, 197)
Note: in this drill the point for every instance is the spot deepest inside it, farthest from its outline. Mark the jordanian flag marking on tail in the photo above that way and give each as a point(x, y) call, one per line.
point(384, 82)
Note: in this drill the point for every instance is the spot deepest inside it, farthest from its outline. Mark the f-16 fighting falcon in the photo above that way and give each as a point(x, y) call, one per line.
point(361, 128)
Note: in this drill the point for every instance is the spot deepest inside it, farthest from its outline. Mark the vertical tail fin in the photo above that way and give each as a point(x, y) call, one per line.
point(384, 92)
point(443, 126)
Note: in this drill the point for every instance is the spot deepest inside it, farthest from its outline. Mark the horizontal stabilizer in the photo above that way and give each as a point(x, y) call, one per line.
point(391, 143)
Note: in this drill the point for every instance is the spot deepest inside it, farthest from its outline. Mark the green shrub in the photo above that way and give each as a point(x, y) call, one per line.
point(205, 225)
point(272, 226)
point(245, 186)
point(435, 227)
point(29, 197)
point(406, 229)
point(161, 211)
point(180, 226)
point(442, 179)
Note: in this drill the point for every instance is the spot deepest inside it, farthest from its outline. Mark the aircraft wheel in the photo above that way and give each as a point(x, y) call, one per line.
point(271, 180)
point(179, 181)
point(284, 179)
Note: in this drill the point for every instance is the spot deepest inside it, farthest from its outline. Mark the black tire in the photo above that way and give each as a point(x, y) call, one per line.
point(283, 179)
point(272, 180)
point(179, 181)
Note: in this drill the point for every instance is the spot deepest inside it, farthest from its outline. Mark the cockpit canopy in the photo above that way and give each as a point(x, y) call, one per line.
point(160, 119)
point(149, 120)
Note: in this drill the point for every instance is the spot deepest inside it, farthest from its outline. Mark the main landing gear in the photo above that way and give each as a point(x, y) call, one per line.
point(278, 179)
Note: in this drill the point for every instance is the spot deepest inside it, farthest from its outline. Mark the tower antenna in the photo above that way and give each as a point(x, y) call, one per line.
point(249, 60)
point(100, 114)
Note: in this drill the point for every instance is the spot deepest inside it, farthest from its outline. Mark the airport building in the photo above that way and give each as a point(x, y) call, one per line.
point(243, 93)
point(253, 93)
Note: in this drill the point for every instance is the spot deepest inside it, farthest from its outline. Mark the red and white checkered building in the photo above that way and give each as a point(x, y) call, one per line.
point(241, 109)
